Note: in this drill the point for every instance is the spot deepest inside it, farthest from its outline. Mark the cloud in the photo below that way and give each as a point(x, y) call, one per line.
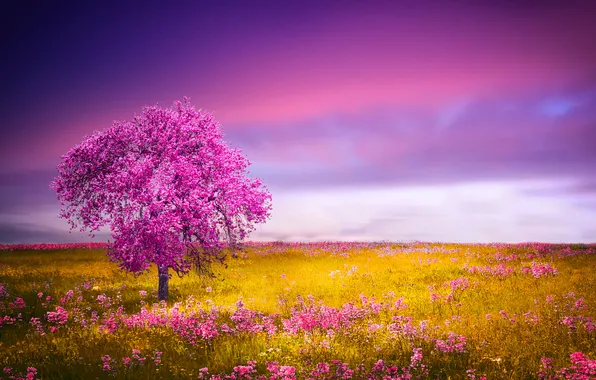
point(26, 190)
point(29, 211)
point(13, 231)
point(469, 140)
point(27, 233)
point(508, 211)
point(466, 212)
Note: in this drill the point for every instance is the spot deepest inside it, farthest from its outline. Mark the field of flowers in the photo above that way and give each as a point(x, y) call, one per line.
point(305, 311)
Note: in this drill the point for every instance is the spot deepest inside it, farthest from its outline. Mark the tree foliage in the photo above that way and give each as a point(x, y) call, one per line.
point(171, 190)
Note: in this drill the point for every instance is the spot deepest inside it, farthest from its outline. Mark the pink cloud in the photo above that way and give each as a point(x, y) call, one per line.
point(430, 59)
point(488, 139)
point(349, 62)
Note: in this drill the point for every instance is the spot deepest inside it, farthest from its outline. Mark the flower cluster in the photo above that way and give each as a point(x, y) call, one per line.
point(454, 343)
point(502, 257)
point(539, 269)
point(581, 368)
point(454, 288)
point(58, 317)
point(500, 270)
point(18, 303)
point(14, 375)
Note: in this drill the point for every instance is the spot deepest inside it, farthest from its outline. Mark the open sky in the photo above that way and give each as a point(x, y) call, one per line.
point(460, 121)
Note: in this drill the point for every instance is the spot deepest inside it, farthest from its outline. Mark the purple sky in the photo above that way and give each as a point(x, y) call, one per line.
point(428, 120)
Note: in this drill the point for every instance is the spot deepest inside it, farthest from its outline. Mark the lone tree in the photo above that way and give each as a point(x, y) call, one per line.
point(171, 190)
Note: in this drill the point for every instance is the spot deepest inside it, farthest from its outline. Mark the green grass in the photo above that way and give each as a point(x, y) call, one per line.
point(496, 347)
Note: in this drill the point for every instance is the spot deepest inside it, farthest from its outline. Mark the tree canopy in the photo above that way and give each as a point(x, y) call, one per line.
point(171, 190)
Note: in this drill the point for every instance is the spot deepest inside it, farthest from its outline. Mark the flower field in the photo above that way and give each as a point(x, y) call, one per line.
point(304, 311)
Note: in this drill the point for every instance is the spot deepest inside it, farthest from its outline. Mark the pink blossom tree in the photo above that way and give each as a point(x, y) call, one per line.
point(171, 190)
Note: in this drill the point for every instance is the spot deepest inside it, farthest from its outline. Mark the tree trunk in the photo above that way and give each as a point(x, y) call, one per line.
point(162, 291)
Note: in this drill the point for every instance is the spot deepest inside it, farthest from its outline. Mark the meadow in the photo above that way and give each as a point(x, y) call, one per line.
point(305, 311)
